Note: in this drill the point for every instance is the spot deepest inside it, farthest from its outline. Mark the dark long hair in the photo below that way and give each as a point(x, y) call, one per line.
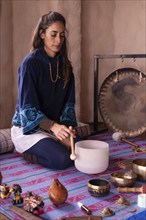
point(44, 22)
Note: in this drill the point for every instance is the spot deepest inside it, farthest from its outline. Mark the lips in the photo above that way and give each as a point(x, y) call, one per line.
point(57, 47)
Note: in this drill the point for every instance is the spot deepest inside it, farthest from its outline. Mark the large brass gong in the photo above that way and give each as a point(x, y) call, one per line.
point(122, 101)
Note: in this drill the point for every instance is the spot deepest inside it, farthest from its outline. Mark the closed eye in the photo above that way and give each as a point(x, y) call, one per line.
point(56, 34)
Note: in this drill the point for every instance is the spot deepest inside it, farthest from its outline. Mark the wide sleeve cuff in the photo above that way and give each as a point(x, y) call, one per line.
point(68, 116)
point(29, 119)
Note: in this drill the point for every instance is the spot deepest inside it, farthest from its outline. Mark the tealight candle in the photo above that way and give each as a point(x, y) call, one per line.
point(142, 200)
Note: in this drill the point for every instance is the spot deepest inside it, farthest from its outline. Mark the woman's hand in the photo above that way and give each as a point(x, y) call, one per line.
point(62, 132)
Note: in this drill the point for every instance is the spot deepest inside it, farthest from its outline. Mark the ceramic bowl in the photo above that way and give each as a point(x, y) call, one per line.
point(120, 179)
point(139, 167)
point(98, 187)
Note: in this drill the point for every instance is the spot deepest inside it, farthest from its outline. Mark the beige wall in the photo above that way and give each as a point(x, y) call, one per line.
point(95, 27)
point(110, 27)
point(6, 64)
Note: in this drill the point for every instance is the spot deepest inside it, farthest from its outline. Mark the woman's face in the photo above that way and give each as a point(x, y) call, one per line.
point(53, 38)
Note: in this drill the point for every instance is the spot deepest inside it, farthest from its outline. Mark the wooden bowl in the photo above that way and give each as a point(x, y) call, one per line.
point(139, 167)
point(98, 187)
point(119, 179)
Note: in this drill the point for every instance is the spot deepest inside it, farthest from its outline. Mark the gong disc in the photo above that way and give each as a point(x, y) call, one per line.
point(122, 101)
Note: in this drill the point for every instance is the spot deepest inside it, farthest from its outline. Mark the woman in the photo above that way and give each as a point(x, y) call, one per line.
point(46, 97)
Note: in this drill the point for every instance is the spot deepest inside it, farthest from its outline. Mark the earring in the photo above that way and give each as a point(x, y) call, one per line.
point(42, 35)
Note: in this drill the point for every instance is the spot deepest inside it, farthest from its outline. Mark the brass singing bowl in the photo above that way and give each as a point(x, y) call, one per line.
point(119, 179)
point(139, 167)
point(98, 187)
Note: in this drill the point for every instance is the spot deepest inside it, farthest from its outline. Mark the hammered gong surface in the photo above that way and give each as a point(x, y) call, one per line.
point(122, 101)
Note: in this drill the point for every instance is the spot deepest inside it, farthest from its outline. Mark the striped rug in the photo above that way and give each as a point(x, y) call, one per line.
point(35, 178)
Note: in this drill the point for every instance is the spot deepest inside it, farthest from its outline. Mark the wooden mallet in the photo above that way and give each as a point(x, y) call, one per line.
point(118, 136)
point(72, 156)
point(141, 189)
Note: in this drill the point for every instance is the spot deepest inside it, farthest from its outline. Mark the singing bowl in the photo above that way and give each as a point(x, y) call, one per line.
point(118, 179)
point(92, 156)
point(139, 167)
point(98, 187)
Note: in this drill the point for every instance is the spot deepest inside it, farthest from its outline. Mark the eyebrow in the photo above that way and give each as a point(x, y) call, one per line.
point(57, 31)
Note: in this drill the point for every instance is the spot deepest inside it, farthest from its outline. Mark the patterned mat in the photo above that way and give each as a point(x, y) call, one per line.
point(35, 178)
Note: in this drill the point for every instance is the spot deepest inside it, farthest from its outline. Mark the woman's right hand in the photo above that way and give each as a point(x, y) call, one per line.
point(62, 132)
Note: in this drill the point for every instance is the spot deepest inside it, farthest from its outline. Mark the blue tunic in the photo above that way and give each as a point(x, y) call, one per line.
point(39, 97)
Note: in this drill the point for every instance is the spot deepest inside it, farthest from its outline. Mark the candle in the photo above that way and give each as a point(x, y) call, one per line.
point(84, 208)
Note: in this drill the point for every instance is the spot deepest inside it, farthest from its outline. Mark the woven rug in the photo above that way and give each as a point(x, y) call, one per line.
point(35, 178)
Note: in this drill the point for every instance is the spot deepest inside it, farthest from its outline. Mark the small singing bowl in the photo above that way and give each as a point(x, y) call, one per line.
point(118, 179)
point(139, 167)
point(98, 187)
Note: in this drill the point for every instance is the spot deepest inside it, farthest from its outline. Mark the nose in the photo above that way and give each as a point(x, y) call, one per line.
point(58, 39)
